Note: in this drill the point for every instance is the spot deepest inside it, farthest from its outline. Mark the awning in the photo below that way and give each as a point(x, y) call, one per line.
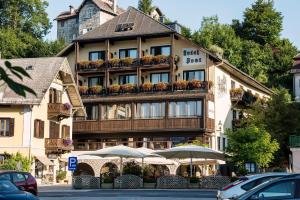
point(44, 160)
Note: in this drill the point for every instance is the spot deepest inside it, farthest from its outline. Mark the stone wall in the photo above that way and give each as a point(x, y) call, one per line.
point(89, 17)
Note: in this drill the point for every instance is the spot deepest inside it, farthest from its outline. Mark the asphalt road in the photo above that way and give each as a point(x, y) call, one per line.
point(65, 193)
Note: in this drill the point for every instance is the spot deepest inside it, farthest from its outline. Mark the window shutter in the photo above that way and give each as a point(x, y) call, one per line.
point(11, 127)
point(35, 129)
point(68, 132)
point(42, 124)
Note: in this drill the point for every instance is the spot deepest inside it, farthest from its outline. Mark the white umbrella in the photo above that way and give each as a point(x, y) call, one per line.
point(118, 151)
point(191, 151)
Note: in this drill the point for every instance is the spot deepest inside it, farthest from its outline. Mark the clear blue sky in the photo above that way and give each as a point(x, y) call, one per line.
point(191, 12)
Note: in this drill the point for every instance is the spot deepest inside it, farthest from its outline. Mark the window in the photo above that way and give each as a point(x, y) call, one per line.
point(6, 127)
point(219, 143)
point(5, 177)
point(39, 128)
point(232, 84)
point(17, 178)
point(185, 109)
point(65, 131)
point(116, 111)
point(55, 96)
point(224, 144)
point(62, 23)
point(96, 55)
point(150, 110)
point(194, 75)
point(160, 78)
point(92, 112)
point(124, 53)
point(89, 13)
point(161, 50)
point(54, 130)
point(250, 167)
point(97, 80)
point(257, 182)
point(279, 190)
point(125, 79)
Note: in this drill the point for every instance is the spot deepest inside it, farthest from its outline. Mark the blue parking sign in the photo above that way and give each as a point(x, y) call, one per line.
point(72, 164)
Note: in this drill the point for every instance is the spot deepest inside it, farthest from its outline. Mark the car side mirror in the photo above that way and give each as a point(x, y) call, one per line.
point(21, 188)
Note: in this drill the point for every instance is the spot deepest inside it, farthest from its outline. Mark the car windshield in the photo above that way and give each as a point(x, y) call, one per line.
point(7, 186)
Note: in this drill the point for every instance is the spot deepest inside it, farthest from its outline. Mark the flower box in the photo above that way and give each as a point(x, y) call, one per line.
point(147, 86)
point(127, 61)
point(114, 62)
point(114, 88)
point(236, 92)
point(127, 87)
point(147, 60)
point(161, 86)
point(181, 84)
point(97, 63)
point(83, 89)
point(67, 106)
point(96, 89)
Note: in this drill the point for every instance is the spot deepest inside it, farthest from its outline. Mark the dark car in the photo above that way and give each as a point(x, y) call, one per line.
point(287, 187)
point(9, 191)
point(22, 180)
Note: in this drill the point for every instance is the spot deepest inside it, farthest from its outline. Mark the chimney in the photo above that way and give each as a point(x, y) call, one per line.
point(72, 10)
point(114, 5)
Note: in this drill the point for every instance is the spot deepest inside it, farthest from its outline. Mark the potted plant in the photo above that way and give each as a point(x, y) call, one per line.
point(97, 63)
point(67, 142)
point(146, 60)
point(161, 86)
point(83, 64)
point(181, 84)
point(67, 106)
point(147, 86)
point(61, 176)
point(159, 59)
point(236, 93)
point(127, 87)
point(195, 84)
point(114, 88)
point(96, 89)
point(114, 62)
point(83, 90)
point(127, 61)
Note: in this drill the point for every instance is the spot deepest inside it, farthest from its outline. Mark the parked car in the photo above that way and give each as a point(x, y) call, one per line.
point(245, 184)
point(9, 191)
point(287, 187)
point(21, 179)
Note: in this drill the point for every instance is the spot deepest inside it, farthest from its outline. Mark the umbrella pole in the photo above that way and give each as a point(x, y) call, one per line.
point(143, 167)
point(121, 166)
point(191, 167)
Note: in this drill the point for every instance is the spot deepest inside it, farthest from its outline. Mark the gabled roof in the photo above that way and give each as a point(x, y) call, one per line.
point(296, 67)
point(43, 72)
point(143, 25)
point(104, 6)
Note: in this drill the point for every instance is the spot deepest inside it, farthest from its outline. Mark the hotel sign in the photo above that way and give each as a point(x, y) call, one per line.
point(193, 56)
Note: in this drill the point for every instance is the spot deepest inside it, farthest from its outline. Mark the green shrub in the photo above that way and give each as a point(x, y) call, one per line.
point(61, 175)
point(132, 168)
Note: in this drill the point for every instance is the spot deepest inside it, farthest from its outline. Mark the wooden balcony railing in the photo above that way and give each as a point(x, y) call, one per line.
point(59, 111)
point(184, 123)
point(294, 141)
point(58, 145)
point(92, 146)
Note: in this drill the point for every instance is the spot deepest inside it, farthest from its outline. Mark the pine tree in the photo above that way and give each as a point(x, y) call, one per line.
point(146, 6)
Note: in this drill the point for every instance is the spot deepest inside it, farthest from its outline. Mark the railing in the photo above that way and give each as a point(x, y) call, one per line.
point(193, 123)
point(86, 66)
point(58, 110)
point(92, 146)
point(155, 88)
point(295, 141)
point(58, 145)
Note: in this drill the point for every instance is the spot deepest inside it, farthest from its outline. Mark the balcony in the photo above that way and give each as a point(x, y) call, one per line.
point(143, 125)
point(125, 63)
point(59, 111)
point(146, 88)
point(58, 146)
point(294, 141)
point(93, 146)
point(244, 98)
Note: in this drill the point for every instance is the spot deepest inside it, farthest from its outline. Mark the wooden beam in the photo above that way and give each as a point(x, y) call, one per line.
point(172, 64)
point(107, 57)
point(76, 62)
point(139, 56)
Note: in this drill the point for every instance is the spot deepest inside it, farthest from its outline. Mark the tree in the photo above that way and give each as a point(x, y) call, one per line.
point(276, 118)
point(28, 16)
point(146, 6)
point(16, 162)
point(19, 73)
point(251, 144)
point(262, 23)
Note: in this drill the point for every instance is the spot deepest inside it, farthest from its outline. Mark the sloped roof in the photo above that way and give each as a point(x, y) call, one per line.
point(296, 67)
point(101, 5)
point(143, 25)
point(43, 72)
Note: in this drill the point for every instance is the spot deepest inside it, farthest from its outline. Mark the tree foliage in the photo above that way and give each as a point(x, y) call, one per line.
point(27, 16)
point(146, 6)
point(281, 118)
point(14, 161)
point(251, 144)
